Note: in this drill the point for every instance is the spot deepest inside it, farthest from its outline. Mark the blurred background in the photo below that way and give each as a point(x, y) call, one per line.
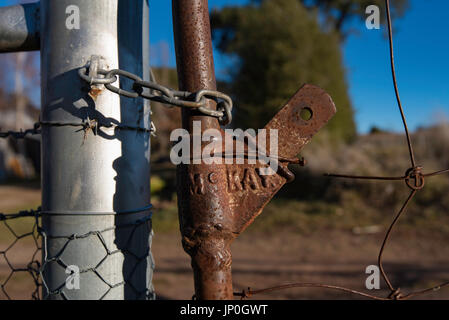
point(316, 229)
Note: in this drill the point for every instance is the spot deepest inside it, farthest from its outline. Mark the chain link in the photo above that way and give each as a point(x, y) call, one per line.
point(153, 91)
point(150, 90)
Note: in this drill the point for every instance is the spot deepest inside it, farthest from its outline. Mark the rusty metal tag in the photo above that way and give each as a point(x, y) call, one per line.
point(252, 191)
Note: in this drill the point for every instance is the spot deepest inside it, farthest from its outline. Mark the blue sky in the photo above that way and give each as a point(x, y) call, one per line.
point(421, 54)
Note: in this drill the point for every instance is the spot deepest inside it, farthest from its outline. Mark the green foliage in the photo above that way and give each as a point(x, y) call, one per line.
point(157, 185)
point(278, 45)
point(337, 13)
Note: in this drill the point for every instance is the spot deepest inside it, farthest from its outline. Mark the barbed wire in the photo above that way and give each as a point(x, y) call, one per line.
point(89, 125)
point(22, 134)
point(414, 179)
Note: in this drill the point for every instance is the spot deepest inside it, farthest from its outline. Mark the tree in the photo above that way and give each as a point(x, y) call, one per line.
point(278, 45)
point(337, 13)
point(165, 119)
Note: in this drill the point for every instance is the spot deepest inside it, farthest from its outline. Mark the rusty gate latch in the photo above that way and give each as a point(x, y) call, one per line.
point(217, 201)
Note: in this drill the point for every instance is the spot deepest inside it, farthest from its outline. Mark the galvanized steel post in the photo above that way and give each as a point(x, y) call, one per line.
point(93, 181)
point(19, 27)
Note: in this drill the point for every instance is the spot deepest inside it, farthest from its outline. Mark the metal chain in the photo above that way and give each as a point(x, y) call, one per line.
point(150, 90)
point(414, 179)
point(153, 91)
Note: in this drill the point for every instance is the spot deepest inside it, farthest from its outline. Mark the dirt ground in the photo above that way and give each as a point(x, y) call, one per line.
point(330, 257)
point(336, 257)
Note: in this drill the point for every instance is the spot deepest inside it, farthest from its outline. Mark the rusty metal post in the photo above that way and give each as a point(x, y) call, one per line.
point(211, 259)
point(218, 201)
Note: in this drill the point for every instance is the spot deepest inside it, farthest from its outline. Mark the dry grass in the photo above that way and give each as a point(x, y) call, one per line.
point(315, 229)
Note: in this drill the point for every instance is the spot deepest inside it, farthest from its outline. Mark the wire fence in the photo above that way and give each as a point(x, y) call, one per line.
point(18, 271)
point(13, 238)
point(414, 179)
point(140, 257)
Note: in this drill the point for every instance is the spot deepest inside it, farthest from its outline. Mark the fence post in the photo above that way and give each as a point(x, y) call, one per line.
point(95, 182)
point(217, 201)
point(211, 262)
point(19, 27)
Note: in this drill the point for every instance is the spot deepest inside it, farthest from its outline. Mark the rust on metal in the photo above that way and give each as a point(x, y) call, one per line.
point(218, 201)
point(94, 92)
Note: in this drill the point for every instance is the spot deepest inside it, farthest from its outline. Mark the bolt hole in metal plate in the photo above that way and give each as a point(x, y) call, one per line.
point(306, 114)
